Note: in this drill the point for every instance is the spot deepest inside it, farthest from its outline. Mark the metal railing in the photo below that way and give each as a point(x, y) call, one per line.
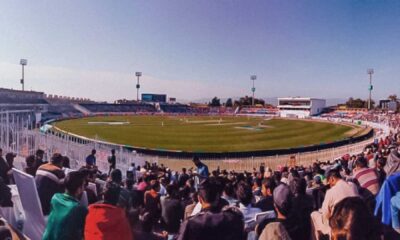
point(19, 135)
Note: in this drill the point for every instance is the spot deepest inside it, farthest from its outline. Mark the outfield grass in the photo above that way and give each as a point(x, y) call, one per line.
point(207, 134)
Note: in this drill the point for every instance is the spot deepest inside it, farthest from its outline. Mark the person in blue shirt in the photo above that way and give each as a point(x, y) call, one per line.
point(202, 169)
point(91, 159)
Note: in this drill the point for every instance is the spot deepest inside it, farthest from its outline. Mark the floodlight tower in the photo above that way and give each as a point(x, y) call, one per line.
point(23, 63)
point(370, 71)
point(138, 75)
point(253, 89)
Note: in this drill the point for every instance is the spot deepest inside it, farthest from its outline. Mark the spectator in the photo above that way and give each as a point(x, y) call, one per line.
point(49, 179)
point(339, 189)
point(67, 218)
point(274, 231)
point(380, 172)
point(163, 186)
point(229, 194)
point(183, 177)
point(351, 220)
point(395, 208)
point(146, 231)
point(257, 186)
point(125, 200)
point(10, 161)
point(189, 208)
point(266, 202)
point(66, 162)
point(172, 210)
point(152, 203)
point(202, 169)
point(89, 178)
point(112, 161)
point(302, 207)
point(212, 223)
point(5, 195)
point(283, 200)
point(245, 196)
point(365, 176)
point(66, 165)
point(91, 159)
point(30, 165)
point(106, 220)
point(131, 173)
point(393, 162)
point(39, 159)
point(4, 168)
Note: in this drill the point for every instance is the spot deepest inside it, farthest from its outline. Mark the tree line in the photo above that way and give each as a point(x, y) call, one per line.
point(243, 101)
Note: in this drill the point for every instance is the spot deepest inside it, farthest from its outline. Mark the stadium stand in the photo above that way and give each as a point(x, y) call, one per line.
point(60, 111)
point(22, 100)
point(118, 108)
point(176, 108)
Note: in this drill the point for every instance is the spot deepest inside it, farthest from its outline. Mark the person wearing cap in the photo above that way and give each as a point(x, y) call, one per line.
point(339, 189)
point(283, 226)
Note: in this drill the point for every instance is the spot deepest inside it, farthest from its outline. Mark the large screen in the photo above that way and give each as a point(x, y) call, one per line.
point(149, 97)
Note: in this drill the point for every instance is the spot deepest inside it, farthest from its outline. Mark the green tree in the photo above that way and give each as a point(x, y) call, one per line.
point(215, 102)
point(356, 103)
point(393, 97)
point(229, 102)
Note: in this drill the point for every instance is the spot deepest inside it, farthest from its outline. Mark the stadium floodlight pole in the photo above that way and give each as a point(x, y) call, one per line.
point(138, 75)
point(370, 71)
point(23, 63)
point(253, 89)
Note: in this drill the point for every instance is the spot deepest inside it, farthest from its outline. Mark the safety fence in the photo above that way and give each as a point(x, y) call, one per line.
point(19, 135)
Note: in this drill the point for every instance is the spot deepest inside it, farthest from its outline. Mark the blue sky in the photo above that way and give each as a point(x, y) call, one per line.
point(199, 49)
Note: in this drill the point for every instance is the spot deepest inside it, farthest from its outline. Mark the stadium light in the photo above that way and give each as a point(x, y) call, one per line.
point(370, 71)
point(23, 63)
point(138, 75)
point(253, 89)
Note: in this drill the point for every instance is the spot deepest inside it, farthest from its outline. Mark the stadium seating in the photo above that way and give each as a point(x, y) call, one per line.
point(176, 108)
point(115, 108)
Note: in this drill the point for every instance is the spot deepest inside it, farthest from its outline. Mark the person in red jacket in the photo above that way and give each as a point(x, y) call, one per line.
point(106, 220)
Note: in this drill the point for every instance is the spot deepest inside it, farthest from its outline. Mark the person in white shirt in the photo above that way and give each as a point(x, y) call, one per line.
point(339, 190)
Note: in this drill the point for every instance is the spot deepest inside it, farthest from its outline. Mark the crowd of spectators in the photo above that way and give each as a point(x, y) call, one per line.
point(354, 197)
